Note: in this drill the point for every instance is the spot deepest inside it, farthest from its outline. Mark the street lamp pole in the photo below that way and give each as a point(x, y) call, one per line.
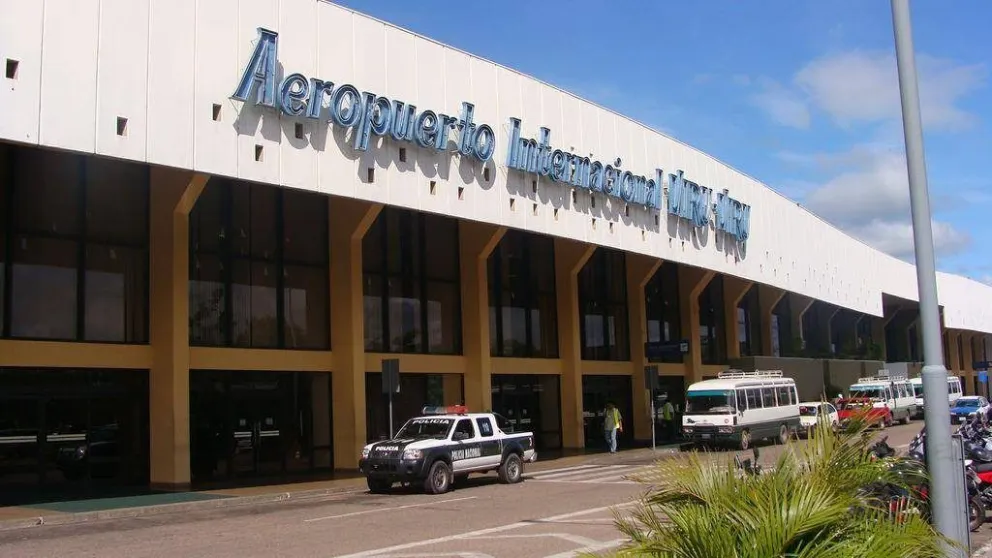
point(949, 520)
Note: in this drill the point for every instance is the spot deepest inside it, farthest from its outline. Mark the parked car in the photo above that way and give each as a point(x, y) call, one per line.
point(969, 406)
point(812, 412)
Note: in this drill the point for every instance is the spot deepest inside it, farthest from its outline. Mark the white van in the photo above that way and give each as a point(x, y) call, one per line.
point(954, 391)
point(892, 392)
point(739, 407)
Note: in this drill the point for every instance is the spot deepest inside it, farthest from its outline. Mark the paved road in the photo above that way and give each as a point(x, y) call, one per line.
point(555, 513)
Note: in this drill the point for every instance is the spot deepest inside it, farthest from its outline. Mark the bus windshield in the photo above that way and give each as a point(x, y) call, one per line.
point(711, 402)
point(877, 392)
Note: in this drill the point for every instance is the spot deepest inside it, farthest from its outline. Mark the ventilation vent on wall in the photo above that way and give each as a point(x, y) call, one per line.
point(216, 112)
point(121, 126)
point(258, 152)
point(12, 68)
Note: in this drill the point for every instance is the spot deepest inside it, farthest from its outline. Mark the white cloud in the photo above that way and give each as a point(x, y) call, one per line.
point(870, 200)
point(783, 105)
point(896, 237)
point(858, 87)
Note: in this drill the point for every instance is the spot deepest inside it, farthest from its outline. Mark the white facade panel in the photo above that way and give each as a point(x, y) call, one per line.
point(171, 68)
point(21, 31)
point(218, 61)
point(171, 100)
point(69, 67)
point(122, 79)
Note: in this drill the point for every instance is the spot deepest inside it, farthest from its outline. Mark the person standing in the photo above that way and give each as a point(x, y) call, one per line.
point(612, 424)
point(668, 420)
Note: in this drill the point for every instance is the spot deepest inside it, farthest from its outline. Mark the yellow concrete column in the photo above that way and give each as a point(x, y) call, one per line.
point(969, 360)
point(954, 366)
point(351, 220)
point(734, 289)
point(798, 305)
point(692, 281)
point(640, 270)
point(452, 387)
point(878, 334)
point(173, 194)
point(570, 258)
point(768, 299)
point(477, 241)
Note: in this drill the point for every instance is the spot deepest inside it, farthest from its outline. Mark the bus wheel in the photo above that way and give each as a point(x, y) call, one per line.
point(783, 434)
point(745, 440)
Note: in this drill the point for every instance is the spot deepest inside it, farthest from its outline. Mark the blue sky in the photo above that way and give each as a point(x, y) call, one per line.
point(800, 94)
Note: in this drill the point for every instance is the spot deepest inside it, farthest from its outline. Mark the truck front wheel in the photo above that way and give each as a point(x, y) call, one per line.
point(511, 470)
point(438, 479)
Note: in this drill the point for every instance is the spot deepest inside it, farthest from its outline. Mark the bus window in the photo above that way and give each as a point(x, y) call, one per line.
point(768, 397)
point(783, 396)
point(742, 402)
point(753, 399)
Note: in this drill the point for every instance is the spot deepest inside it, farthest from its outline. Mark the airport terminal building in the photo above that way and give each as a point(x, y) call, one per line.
point(218, 219)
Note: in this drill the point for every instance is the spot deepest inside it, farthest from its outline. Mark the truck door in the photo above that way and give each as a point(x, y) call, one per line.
point(466, 450)
point(492, 445)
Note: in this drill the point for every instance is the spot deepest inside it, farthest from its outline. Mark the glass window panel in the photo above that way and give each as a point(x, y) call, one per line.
point(393, 232)
point(253, 305)
point(305, 227)
point(206, 301)
point(373, 313)
point(116, 295)
point(264, 236)
point(405, 331)
point(43, 292)
point(542, 260)
point(48, 192)
point(514, 327)
point(441, 247)
point(545, 321)
point(116, 202)
point(372, 255)
point(443, 328)
point(205, 221)
point(306, 308)
point(5, 218)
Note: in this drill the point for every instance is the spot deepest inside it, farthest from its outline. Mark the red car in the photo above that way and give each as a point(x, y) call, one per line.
point(848, 408)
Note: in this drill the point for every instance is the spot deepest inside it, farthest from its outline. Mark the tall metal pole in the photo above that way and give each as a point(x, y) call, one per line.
point(949, 515)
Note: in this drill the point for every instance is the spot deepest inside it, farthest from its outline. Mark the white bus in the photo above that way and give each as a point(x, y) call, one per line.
point(892, 392)
point(740, 407)
point(953, 391)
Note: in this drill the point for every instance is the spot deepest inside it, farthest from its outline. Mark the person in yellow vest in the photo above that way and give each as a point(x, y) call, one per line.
point(612, 424)
point(668, 420)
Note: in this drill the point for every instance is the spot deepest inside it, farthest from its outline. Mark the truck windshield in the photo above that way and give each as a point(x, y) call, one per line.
point(918, 390)
point(425, 428)
point(710, 402)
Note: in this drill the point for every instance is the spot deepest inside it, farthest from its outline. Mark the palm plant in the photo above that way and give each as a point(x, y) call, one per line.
point(811, 504)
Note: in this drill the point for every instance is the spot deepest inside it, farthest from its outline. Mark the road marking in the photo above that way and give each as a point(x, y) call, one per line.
point(378, 510)
point(575, 468)
point(579, 472)
point(483, 532)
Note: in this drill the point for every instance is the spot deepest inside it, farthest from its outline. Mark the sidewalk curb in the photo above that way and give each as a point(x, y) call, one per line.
point(225, 501)
point(163, 509)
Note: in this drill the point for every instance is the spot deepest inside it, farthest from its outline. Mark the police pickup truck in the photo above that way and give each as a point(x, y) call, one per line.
point(443, 446)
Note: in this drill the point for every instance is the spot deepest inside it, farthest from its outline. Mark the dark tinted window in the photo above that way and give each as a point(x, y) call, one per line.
point(465, 427)
point(485, 427)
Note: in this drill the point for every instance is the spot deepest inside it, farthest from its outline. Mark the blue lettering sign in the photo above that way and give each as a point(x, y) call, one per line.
point(538, 157)
point(369, 115)
point(365, 112)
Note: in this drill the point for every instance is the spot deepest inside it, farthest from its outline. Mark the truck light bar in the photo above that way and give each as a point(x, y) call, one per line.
point(444, 410)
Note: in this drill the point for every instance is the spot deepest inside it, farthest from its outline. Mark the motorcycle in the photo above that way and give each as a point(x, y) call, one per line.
point(979, 492)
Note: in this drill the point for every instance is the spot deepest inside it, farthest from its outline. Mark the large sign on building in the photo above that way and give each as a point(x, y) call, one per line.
point(369, 114)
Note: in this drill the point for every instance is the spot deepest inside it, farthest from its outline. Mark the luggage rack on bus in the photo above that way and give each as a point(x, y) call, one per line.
point(884, 376)
point(737, 373)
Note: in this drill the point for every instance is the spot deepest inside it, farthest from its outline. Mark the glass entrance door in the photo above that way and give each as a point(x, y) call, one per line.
point(257, 435)
point(530, 403)
point(597, 391)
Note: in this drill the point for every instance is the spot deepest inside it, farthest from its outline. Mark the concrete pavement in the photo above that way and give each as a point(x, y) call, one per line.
point(563, 508)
